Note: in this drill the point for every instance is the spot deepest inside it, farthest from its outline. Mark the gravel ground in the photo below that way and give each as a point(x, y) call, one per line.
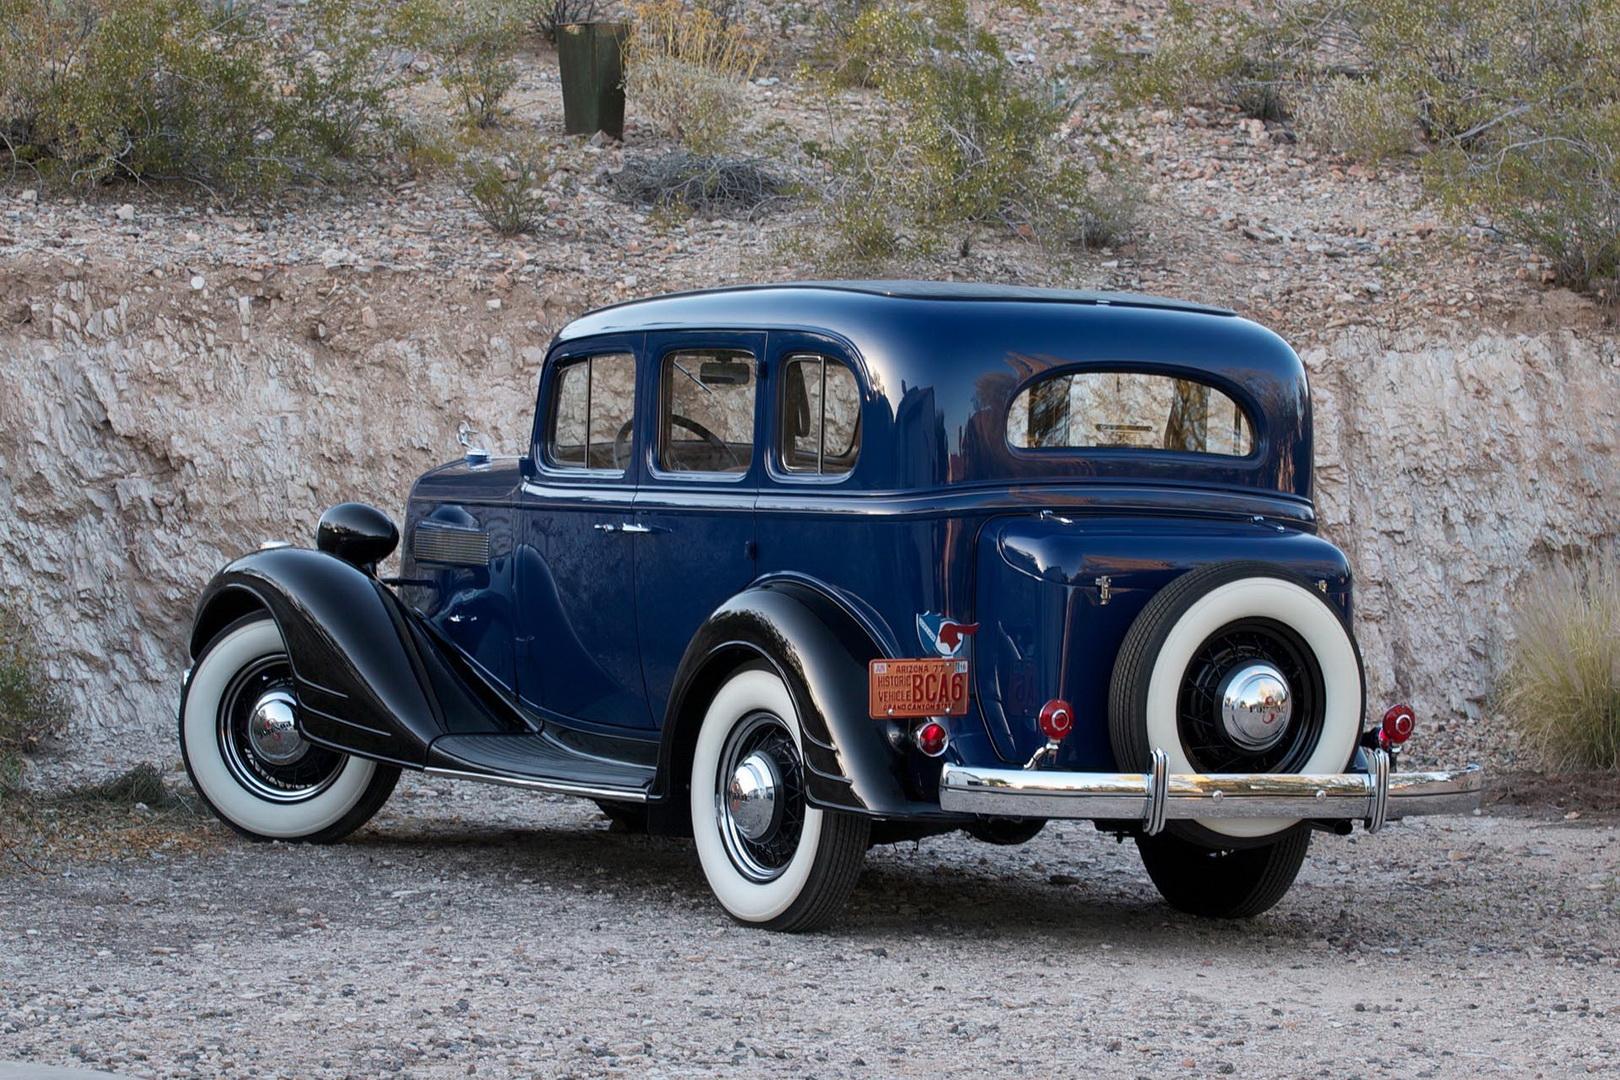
point(477, 931)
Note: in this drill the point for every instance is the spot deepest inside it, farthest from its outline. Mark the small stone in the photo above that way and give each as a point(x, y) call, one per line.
point(29, 196)
point(126, 212)
point(493, 303)
point(197, 281)
point(368, 316)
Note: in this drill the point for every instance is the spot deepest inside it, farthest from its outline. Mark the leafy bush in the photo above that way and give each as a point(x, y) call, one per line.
point(33, 713)
point(1359, 118)
point(702, 184)
point(546, 17)
point(339, 73)
point(685, 71)
point(1518, 101)
point(1214, 53)
point(474, 41)
point(506, 192)
point(1561, 687)
point(143, 89)
point(969, 141)
point(153, 90)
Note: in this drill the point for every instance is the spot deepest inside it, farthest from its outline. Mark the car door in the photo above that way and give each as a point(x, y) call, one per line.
point(580, 657)
point(702, 469)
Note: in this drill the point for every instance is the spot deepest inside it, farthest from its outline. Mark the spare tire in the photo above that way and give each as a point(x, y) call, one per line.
point(1237, 667)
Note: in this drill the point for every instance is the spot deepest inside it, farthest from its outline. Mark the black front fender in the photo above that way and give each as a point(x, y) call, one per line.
point(821, 652)
point(369, 677)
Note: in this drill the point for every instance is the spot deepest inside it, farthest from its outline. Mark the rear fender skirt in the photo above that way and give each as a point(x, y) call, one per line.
point(370, 678)
point(821, 651)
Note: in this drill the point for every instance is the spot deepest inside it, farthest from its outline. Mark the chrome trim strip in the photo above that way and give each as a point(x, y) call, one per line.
point(555, 787)
point(1193, 796)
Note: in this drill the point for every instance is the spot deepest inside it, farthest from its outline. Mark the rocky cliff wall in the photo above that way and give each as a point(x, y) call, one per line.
point(150, 433)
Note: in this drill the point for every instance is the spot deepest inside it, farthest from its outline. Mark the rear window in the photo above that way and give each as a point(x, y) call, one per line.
point(1128, 409)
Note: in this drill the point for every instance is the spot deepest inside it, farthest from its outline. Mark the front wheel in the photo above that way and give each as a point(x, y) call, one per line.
point(1223, 883)
point(240, 741)
point(772, 860)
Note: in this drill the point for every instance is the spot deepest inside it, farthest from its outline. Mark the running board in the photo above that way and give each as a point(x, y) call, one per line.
point(539, 763)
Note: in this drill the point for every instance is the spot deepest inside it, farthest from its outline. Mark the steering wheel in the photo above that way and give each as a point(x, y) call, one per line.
point(621, 441)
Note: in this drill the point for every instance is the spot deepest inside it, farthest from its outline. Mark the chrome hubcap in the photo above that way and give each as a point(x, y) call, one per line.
point(1255, 705)
point(273, 731)
point(751, 795)
point(259, 739)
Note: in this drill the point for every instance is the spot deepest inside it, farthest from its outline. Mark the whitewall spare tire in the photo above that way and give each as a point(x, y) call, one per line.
point(246, 758)
point(1237, 668)
point(771, 859)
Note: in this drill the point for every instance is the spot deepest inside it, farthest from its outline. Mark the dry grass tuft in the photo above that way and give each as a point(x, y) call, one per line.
point(1562, 684)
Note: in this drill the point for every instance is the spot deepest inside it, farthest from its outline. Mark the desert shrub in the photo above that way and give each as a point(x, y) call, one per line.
point(1214, 54)
point(140, 89)
point(473, 41)
point(1532, 139)
point(33, 713)
point(1561, 687)
point(506, 191)
point(970, 141)
point(546, 17)
point(93, 91)
point(1361, 119)
point(685, 71)
point(694, 183)
point(1517, 102)
point(339, 73)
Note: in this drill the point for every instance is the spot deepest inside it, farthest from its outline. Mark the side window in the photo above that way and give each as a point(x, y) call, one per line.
point(1091, 409)
point(592, 412)
point(821, 416)
point(708, 411)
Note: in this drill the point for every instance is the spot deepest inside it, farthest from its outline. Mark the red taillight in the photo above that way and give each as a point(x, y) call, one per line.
point(1057, 719)
point(931, 738)
point(1397, 726)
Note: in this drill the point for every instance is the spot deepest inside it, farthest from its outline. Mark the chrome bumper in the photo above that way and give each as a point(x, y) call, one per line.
point(1157, 796)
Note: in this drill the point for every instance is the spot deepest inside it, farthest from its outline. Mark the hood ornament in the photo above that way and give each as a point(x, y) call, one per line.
point(473, 450)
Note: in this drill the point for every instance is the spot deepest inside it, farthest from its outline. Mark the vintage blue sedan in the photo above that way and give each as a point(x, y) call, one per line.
point(796, 569)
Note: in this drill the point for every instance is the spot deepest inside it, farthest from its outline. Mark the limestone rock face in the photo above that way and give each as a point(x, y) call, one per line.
point(1447, 468)
point(144, 443)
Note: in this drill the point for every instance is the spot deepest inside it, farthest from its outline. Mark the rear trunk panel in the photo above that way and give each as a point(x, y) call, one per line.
point(1056, 596)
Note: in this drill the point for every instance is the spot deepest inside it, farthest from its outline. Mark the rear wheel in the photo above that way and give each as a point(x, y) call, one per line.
point(242, 749)
point(771, 858)
point(1223, 884)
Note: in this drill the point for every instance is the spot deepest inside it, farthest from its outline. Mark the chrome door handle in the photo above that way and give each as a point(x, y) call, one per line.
point(636, 528)
point(622, 527)
point(607, 526)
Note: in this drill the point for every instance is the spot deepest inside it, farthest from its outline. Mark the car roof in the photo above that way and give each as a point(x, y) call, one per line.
point(912, 289)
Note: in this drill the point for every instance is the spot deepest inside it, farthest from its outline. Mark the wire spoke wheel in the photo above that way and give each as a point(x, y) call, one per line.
point(1223, 725)
point(759, 797)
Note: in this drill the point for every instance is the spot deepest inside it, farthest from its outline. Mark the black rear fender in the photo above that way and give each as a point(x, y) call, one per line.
point(821, 651)
point(369, 676)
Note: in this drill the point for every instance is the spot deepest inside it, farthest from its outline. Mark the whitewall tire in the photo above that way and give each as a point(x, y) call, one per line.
point(771, 859)
point(1189, 645)
point(245, 758)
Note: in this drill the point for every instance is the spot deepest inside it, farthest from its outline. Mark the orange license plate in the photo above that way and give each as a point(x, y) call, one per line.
point(914, 688)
